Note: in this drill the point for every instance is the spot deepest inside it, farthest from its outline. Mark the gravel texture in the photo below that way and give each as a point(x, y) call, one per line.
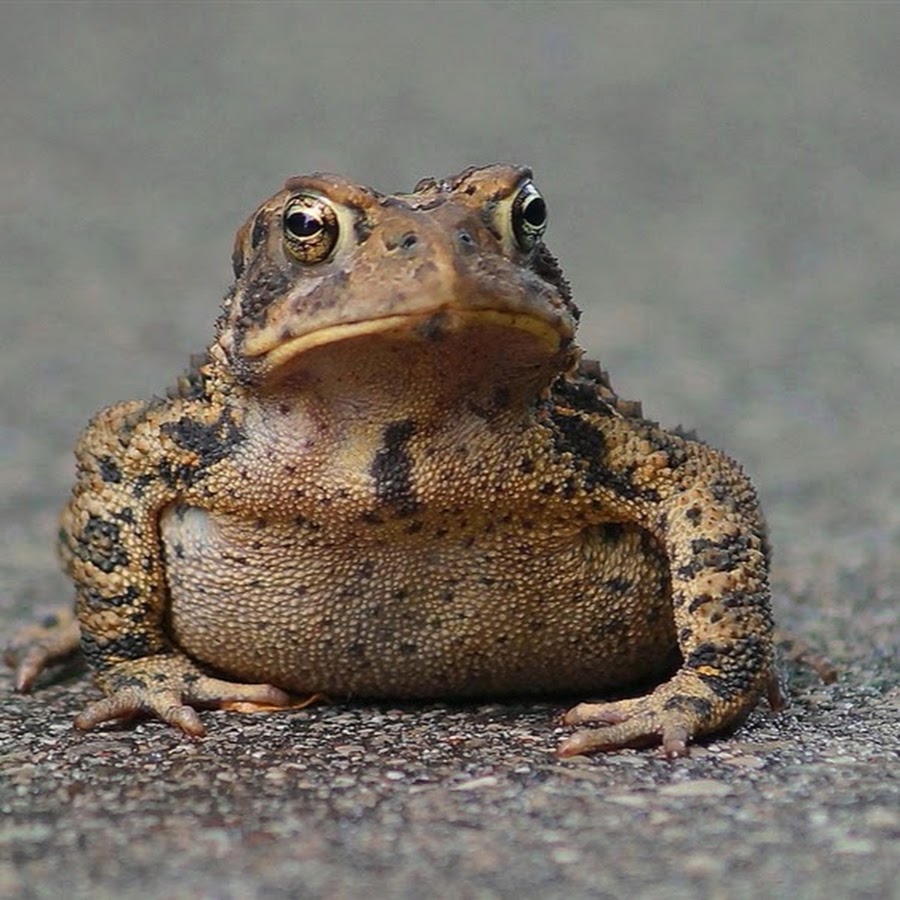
point(724, 192)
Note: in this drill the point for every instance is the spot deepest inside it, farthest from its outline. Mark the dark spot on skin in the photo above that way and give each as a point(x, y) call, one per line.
point(687, 703)
point(545, 266)
point(259, 232)
point(140, 484)
point(209, 442)
point(237, 262)
point(167, 473)
point(179, 550)
point(719, 686)
point(125, 515)
point(264, 286)
point(100, 544)
point(96, 600)
point(50, 621)
point(147, 563)
point(664, 442)
point(689, 570)
point(727, 553)
point(698, 601)
point(694, 515)
point(684, 634)
point(587, 445)
point(414, 527)
point(705, 654)
point(737, 599)
point(434, 328)
point(392, 466)
point(100, 655)
point(109, 470)
point(526, 465)
point(408, 649)
point(618, 585)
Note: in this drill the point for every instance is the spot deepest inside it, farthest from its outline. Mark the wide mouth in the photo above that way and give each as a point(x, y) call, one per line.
point(551, 333)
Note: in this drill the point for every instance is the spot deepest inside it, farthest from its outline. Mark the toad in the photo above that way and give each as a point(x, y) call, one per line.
point(393, 474)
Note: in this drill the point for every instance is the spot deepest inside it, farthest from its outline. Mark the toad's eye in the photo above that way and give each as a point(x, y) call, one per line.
point(529, 216)
point(310, 228)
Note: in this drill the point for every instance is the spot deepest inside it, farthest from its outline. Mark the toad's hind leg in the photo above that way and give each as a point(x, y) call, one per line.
point(36, 646)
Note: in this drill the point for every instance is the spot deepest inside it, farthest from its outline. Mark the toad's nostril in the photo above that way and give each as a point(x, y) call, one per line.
point(406, 241)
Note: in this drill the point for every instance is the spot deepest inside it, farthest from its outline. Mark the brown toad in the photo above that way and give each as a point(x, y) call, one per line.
point(392, 475)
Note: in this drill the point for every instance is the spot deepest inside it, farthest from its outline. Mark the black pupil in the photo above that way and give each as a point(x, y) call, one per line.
point(535, 212)
point(303, 224)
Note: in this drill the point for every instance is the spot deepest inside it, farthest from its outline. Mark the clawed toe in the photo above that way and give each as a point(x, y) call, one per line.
point(36, 646)
point(169, 686)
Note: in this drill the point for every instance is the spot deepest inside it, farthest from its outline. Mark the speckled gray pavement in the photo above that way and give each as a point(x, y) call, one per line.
point(724, 187)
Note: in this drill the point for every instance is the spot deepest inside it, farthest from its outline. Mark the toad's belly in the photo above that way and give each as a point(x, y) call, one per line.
point(387, 613)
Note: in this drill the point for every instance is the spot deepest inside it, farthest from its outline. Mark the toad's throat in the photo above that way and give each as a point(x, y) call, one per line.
point(551, 333)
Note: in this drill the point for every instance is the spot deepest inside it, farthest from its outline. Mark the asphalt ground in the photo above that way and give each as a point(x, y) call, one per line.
point(724, 195)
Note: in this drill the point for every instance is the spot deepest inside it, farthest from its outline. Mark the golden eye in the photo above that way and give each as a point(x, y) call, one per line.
point(310, 228)
point(529, 216)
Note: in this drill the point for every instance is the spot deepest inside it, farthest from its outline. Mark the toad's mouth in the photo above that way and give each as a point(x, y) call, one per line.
point(551, 334)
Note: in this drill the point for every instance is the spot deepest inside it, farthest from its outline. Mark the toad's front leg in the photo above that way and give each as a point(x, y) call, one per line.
point(704, 512)
point(133, 460)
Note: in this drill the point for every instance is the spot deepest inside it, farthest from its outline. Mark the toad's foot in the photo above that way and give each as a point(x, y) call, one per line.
point(34, 647)
point(672, 715)
point(168, 686)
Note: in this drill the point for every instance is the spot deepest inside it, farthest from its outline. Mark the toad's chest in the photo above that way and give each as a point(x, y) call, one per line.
point(453, 605)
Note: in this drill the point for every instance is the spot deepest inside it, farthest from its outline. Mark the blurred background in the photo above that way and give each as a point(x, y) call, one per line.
point(722, 182)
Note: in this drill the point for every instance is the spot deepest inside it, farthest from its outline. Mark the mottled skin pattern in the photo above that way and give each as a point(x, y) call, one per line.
point(393, 475)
